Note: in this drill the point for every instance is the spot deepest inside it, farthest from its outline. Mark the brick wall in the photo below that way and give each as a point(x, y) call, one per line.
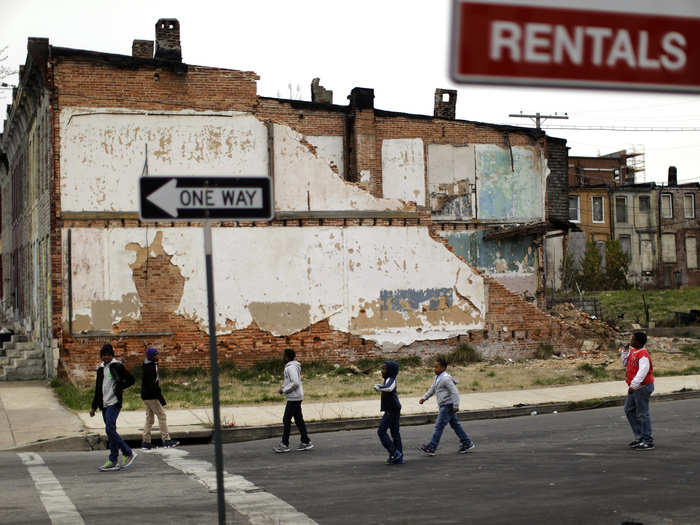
point(558, 181)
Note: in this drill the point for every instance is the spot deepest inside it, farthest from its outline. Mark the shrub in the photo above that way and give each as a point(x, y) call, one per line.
point(591, 276)
point(569, 272)
point(544, 351)
point(616, 265)
point(463, 355)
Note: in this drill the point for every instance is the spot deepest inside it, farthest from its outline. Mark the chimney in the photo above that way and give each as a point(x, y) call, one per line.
point(361, 98)
point(142, 49)
point(319, 93)
point(168, 40)
point(672, 176)
point(445, 103)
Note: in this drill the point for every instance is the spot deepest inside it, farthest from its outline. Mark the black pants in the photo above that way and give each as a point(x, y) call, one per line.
point(390, 421)
point(293, 410)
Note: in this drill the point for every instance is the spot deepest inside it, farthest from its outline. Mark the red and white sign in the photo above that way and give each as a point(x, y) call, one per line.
point(553, 44)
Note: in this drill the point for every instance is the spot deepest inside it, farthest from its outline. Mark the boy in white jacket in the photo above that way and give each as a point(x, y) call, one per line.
point(294, 392)
point(448, 405)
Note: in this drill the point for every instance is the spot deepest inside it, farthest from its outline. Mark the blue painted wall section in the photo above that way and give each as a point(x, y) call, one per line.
point(509, 191)
point(516, 254)
point(397, 300)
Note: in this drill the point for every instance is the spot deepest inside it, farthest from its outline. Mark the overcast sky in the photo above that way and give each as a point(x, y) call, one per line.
point(398, 47)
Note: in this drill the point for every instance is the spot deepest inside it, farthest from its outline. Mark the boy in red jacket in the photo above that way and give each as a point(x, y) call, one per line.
point(640, 381)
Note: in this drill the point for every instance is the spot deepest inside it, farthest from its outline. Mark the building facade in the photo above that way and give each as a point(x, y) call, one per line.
point(381, 242)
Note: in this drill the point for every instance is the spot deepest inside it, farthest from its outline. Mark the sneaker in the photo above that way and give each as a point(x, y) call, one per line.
point(305, 446)
point(466, 448)
point(281, 448)
point(397, 458)
point(644, 446)
point(171, 443)
point(109, 465)
point(634, 444)
point(128, 460)
point(146, 446)
point(427, 450)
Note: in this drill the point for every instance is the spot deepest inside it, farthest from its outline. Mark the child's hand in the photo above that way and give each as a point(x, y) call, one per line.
point(281, 391)
point(376, 387)
point(92, 413)
point(455, 409)
point(421, 401)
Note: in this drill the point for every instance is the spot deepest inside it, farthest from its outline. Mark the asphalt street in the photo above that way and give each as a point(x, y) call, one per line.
point(572, 467)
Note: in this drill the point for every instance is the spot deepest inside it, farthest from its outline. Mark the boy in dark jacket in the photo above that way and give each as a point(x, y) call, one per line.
point(154, 401)
point(112, 379)
point(391, 407)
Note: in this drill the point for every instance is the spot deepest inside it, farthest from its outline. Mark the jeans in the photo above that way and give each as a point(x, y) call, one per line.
point(637, 412)
point(110, 415)
point(390, 421)
point(293, 410)
point(448, 415)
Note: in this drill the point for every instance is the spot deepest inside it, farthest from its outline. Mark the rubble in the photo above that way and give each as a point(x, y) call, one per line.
point(594, 333)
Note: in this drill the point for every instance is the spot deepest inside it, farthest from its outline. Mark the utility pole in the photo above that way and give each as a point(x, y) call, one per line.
point(538, 118)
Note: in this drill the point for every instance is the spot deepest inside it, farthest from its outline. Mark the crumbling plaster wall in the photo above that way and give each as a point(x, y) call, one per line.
point(390, 285)
point(403, 170)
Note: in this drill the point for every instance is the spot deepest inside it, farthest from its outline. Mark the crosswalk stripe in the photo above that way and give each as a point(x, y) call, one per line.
point(259, 506)
point(58, 506)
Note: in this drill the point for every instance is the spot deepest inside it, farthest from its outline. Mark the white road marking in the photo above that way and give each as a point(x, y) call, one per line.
point(260, 507)
point(58, 506)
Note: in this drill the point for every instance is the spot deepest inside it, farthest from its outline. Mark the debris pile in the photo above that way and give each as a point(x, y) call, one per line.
point(591, 331)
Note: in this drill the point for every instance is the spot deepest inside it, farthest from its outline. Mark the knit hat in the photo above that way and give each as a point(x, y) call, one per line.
point(151, 352)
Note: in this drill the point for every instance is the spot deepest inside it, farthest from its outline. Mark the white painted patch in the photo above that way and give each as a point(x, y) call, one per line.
point(448, 164)
point(305, 182)
point(103, 152)
point(330, 149)
point(59, 507)
point(403, 170)
point(259, 506)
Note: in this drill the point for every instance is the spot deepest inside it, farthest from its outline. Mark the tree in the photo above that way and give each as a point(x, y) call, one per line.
point(5, 73)
point(591, 276)
point(616, 264)
point(569, 272)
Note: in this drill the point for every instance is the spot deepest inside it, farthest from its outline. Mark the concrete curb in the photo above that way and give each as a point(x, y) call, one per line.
point(200, 434)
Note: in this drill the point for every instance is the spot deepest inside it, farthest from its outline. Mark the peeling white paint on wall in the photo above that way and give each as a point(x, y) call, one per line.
point(103, 152)
point(294, 277)
point(330, 149)
point(403, 170)
point(305, 182)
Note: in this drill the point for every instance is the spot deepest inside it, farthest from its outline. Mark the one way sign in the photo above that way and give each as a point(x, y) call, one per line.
point(170, 198)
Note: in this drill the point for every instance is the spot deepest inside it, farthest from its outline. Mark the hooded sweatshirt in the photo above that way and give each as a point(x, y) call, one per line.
point(444, 387)
point(292, 388)
point(390, 396)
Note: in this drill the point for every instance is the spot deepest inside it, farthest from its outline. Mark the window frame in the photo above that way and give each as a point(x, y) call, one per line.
point(685, 208)
point(578, 208)
point(647, 199)
point(670, 205)
point(627, 215)
point(602, 209)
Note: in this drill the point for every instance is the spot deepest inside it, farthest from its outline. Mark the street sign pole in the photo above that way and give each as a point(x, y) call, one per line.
point(218, 451)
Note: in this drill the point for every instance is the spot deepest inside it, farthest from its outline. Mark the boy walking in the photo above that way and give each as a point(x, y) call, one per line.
point(112, 379)
point(391, 407)
point(294, 392)
point(640, 381)
point(448, 405)
point(154, 401)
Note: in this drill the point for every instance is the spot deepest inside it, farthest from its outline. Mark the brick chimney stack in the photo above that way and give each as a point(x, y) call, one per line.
point(168, 40)
point(672, 176)
point(142, 48)
point(445, 103)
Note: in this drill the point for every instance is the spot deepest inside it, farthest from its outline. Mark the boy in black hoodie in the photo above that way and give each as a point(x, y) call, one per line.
point(112, 379)
point(154, 401)
point(391, 407)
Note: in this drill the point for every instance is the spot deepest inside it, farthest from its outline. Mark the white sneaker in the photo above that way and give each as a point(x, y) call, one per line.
point(281, 448)
point(305, 446)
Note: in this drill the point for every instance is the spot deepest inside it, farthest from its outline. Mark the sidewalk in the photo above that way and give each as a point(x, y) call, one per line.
point(31, 416)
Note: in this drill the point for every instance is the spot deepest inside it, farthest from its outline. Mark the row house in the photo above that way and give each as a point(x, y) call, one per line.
point(393, 233)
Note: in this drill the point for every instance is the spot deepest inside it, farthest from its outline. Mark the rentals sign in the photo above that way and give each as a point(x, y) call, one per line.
point(619, 44)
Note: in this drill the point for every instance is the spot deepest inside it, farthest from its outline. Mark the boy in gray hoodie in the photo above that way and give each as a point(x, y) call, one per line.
point(448, 405)
point(294, 392)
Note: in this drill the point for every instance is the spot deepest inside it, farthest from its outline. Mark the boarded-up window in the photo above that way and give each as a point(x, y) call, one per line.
point(644, 204)
point(647, 253)
point(689, 205)
point(668, 247)
point(691, 251)
point(621, 209)
point(626, 244)
point(598, 215)
point(666, 206)
point(574, 211)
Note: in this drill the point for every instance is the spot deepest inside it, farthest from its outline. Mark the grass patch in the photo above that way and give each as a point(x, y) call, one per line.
point(596, 371)
point(72, 397)
point(662, 305)
point(553, 380)
point(692, 351)
point(691, 370)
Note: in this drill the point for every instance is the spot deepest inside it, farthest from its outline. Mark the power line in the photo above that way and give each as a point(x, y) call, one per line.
point(624, 128)
point(538, 118)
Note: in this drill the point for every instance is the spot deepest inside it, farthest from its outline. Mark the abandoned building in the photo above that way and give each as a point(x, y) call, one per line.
point(393, 232)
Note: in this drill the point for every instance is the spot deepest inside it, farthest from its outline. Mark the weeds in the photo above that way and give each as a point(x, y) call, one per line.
point(544, 351)
point(691, 350)
point(555, 380)
point(595, 371)
point(463, 355)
